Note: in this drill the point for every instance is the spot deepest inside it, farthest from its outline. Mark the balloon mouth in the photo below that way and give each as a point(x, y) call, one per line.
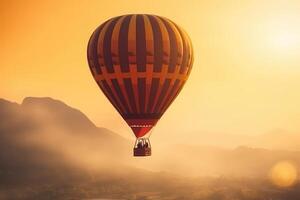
point(141, 131)
point(141, 127)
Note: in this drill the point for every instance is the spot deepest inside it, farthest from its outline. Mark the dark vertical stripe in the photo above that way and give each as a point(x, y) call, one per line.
point(129, 90)
point(89, 58)
point(93, 53)
point(123, 44)
point(173, 47)
point(142, 93)
point(108, 97)
point(107, 46)
point(165, 87)
point(111, 96)
point(158, 44)
point(170, 95)
point(141, 54)
point(185, 50)
point(153, 93)
point(120, 94)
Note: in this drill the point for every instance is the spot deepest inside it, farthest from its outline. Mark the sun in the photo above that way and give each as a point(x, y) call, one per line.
point(284, 39)
point(283, 34)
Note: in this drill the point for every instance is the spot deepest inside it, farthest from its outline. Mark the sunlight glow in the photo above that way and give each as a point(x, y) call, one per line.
point(283, 33)
point(283, 174)
point(284, 39)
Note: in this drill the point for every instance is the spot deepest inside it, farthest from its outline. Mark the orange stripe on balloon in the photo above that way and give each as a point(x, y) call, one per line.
point(189, 52)
point(178, 40)
point(165, 39)
point(120, 80)
point(115, 41)
point(150, 57)
point(106, 76)
point(116, 60)
point(132, 40)
point(176, 76)
point(162, 79)
point(134, 76)
point(166, 58)
point(132, 59)
point(149, 38)
point(104, 69)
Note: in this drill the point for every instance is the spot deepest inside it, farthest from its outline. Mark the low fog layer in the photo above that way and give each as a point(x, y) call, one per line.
point(45, 140)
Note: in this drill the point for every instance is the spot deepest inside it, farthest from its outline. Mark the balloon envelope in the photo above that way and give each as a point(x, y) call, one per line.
point(141, 63)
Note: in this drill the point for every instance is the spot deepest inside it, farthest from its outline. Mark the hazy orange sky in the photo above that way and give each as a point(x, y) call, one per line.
point(246, 74)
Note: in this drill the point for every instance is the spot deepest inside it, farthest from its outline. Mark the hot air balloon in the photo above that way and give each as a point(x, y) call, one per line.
point(140, 62)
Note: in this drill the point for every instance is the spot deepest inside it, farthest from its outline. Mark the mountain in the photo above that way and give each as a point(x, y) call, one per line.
point(40, 114)
point(36, 113)
point(47, 111)
point(45, 137)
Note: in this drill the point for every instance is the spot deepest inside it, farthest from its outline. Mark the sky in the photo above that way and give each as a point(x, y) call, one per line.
point(245, 77)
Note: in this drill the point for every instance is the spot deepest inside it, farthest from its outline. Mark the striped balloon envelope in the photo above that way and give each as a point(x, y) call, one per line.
point(140, 62)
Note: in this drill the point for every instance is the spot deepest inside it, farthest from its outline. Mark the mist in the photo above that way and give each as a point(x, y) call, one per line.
point(49, 148)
